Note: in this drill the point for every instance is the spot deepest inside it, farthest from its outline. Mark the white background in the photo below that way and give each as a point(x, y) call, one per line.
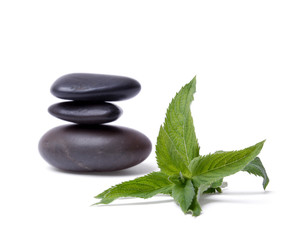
point(247, 58)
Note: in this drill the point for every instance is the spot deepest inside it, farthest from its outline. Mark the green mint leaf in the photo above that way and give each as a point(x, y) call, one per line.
point(184, 193)
point(169, 159)
point(195, 208)
point(256, 167)
point(212, 167)
point(177, 144)
point(142, 187)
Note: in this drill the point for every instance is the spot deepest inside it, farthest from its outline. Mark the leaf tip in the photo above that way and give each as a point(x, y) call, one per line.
point(260, 144)
point(98, 196)
point(95, 204)
point(193, 81)
point(265, 183)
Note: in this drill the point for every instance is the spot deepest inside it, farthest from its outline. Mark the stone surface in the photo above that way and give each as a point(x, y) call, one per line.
point(85, 112)
point(95, 87)
point(99, 148)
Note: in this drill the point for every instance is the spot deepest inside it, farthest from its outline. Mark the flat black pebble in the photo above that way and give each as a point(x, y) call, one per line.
point(98, 148)
point(95, 87)
point(85, 112)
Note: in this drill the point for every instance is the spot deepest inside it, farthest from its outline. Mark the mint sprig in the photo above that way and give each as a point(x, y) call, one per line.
point(184, 173)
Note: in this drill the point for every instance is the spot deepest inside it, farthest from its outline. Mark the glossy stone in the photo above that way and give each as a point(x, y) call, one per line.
point(85, 112)
point(99, 148)
point(95, 87)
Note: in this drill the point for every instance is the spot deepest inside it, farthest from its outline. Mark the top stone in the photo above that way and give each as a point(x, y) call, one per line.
point(95, 87)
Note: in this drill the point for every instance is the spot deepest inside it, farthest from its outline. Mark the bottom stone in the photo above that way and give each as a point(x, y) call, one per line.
point(99, 148)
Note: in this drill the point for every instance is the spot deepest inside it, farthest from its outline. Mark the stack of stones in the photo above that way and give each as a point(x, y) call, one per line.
point(89, 145)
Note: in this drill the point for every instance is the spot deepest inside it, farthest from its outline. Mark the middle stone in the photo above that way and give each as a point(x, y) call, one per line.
point(85, 112)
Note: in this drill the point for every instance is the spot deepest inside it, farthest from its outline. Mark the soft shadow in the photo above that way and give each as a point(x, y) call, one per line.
point(133, 204)
point(137, 170)
point(207, 199)
point(243, 193)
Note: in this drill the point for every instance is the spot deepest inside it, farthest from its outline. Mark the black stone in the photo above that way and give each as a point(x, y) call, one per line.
point(99, 148)
point(85, 112)
point(95, 87)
